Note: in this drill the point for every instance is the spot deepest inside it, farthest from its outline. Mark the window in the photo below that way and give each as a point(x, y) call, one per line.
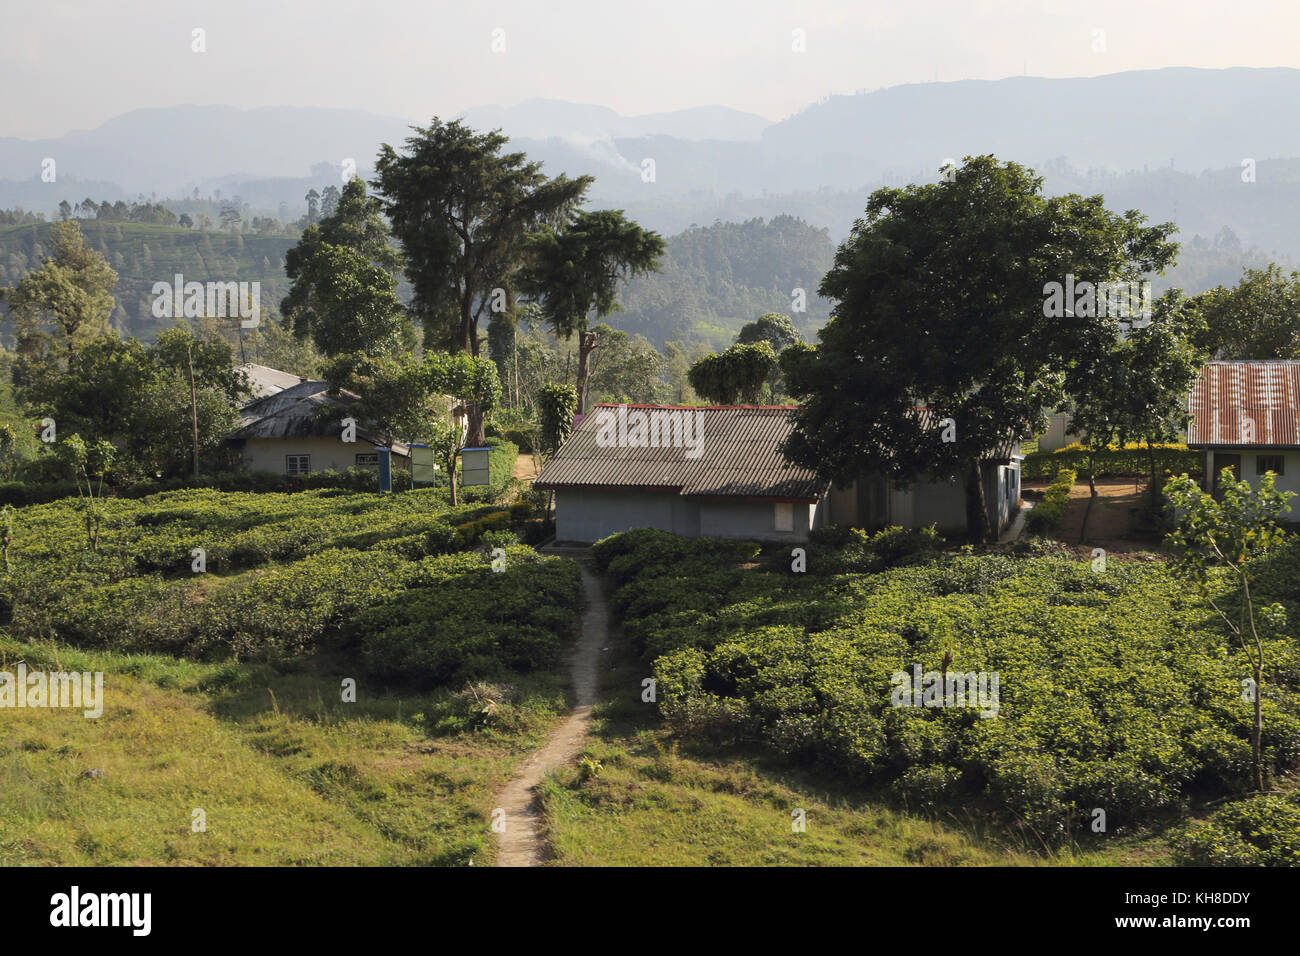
point(1271, 463)
point(297, 464)
point(783, 516)
point(368, 461)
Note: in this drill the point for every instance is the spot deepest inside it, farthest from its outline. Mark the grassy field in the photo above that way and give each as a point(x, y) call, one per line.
point(284, 771)
point(313, 589)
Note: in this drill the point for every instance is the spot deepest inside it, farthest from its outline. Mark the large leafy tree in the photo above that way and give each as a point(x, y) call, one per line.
point(343, 294)
point(462, 208)
point(397, 398)
point(736, 375)
point(939, 347)
point(200, 367)
point(1259, 318)
point(65, 301)
point(143, 399)
point(471, 379)
point(575, 271)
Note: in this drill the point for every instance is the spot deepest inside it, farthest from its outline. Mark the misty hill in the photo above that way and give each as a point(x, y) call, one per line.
point(543, 119)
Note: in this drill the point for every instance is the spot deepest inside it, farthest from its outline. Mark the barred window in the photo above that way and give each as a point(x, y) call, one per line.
point(1271, 463)
point(297, 464)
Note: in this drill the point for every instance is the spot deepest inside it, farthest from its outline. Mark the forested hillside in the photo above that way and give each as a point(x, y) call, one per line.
point(143, 254)
point(713, 279)
point(716, 278)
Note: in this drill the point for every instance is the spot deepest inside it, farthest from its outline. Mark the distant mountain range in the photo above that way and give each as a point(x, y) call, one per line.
point(1158, 130)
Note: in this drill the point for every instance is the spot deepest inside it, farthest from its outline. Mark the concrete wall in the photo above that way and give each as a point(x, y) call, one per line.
point(1289, 480)
point(1058, 433)
point(871, 503)
point(268, 454)
point(590, 514)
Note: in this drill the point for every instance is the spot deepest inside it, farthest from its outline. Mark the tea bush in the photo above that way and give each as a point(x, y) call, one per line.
point(286, 573)
point(1258, 831)
point(1115, 689)
point(1045, 517)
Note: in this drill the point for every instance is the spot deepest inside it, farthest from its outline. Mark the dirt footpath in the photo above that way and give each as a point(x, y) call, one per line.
point(521, 842)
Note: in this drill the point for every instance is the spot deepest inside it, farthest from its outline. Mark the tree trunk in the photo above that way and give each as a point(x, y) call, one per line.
point(1092, 499)
point(1257, 732)
point(194, 410)
point(451, 473)
point(1155, 494)
point(474, 436)
point(586, 345)
point(977, 514)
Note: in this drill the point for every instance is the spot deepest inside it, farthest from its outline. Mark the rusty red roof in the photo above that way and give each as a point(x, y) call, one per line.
point(1246, 404)
point(724, 450)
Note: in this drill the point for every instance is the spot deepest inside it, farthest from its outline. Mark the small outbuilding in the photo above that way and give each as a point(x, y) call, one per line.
point(1246, 416)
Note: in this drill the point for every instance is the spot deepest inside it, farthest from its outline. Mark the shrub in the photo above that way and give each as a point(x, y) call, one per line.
point(1045, 517)
point(1258, 831)
point(1114, 462)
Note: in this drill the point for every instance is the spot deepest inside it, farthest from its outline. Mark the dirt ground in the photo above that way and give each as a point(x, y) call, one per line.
point(525, 467)
point(1113, 522)
point(522, 843)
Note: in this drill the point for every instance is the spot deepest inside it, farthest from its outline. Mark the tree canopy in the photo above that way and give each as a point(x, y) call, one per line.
point(939, 347)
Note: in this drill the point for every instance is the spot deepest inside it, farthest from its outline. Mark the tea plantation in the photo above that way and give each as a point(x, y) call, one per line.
point(330, 677)
point(1118, 691)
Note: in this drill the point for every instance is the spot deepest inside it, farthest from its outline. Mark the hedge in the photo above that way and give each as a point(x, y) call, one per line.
point(1045, 517)
point(1114, 462)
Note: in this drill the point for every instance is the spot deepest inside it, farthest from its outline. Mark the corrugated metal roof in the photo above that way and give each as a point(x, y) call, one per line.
point(1245, 404)
point(265, 380)
point(738, 452)
point(293, 413)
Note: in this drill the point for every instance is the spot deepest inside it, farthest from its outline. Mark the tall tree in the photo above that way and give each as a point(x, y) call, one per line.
point(575, 273)
point(1134, 387)
point(778, 331)
point(940, 346)
point(67, 299)
point(461, 209)
point(736, 375)
point(343, 294)
point(1223, 537)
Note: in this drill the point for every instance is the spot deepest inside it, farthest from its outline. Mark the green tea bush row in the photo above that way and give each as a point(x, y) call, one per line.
point(1116, 689)
point(461, 619)
point(1258, 831)
point(1045, 517)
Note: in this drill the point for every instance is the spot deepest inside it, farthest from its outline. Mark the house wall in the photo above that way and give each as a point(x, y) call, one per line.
point(1058, 433)
point(754, 520)
point(872, 503)
point(587, 515)
point(1289, 480)
point(268, 454)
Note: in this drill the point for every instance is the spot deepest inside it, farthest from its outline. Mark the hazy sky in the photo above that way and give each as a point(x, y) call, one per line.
point(68, 64)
